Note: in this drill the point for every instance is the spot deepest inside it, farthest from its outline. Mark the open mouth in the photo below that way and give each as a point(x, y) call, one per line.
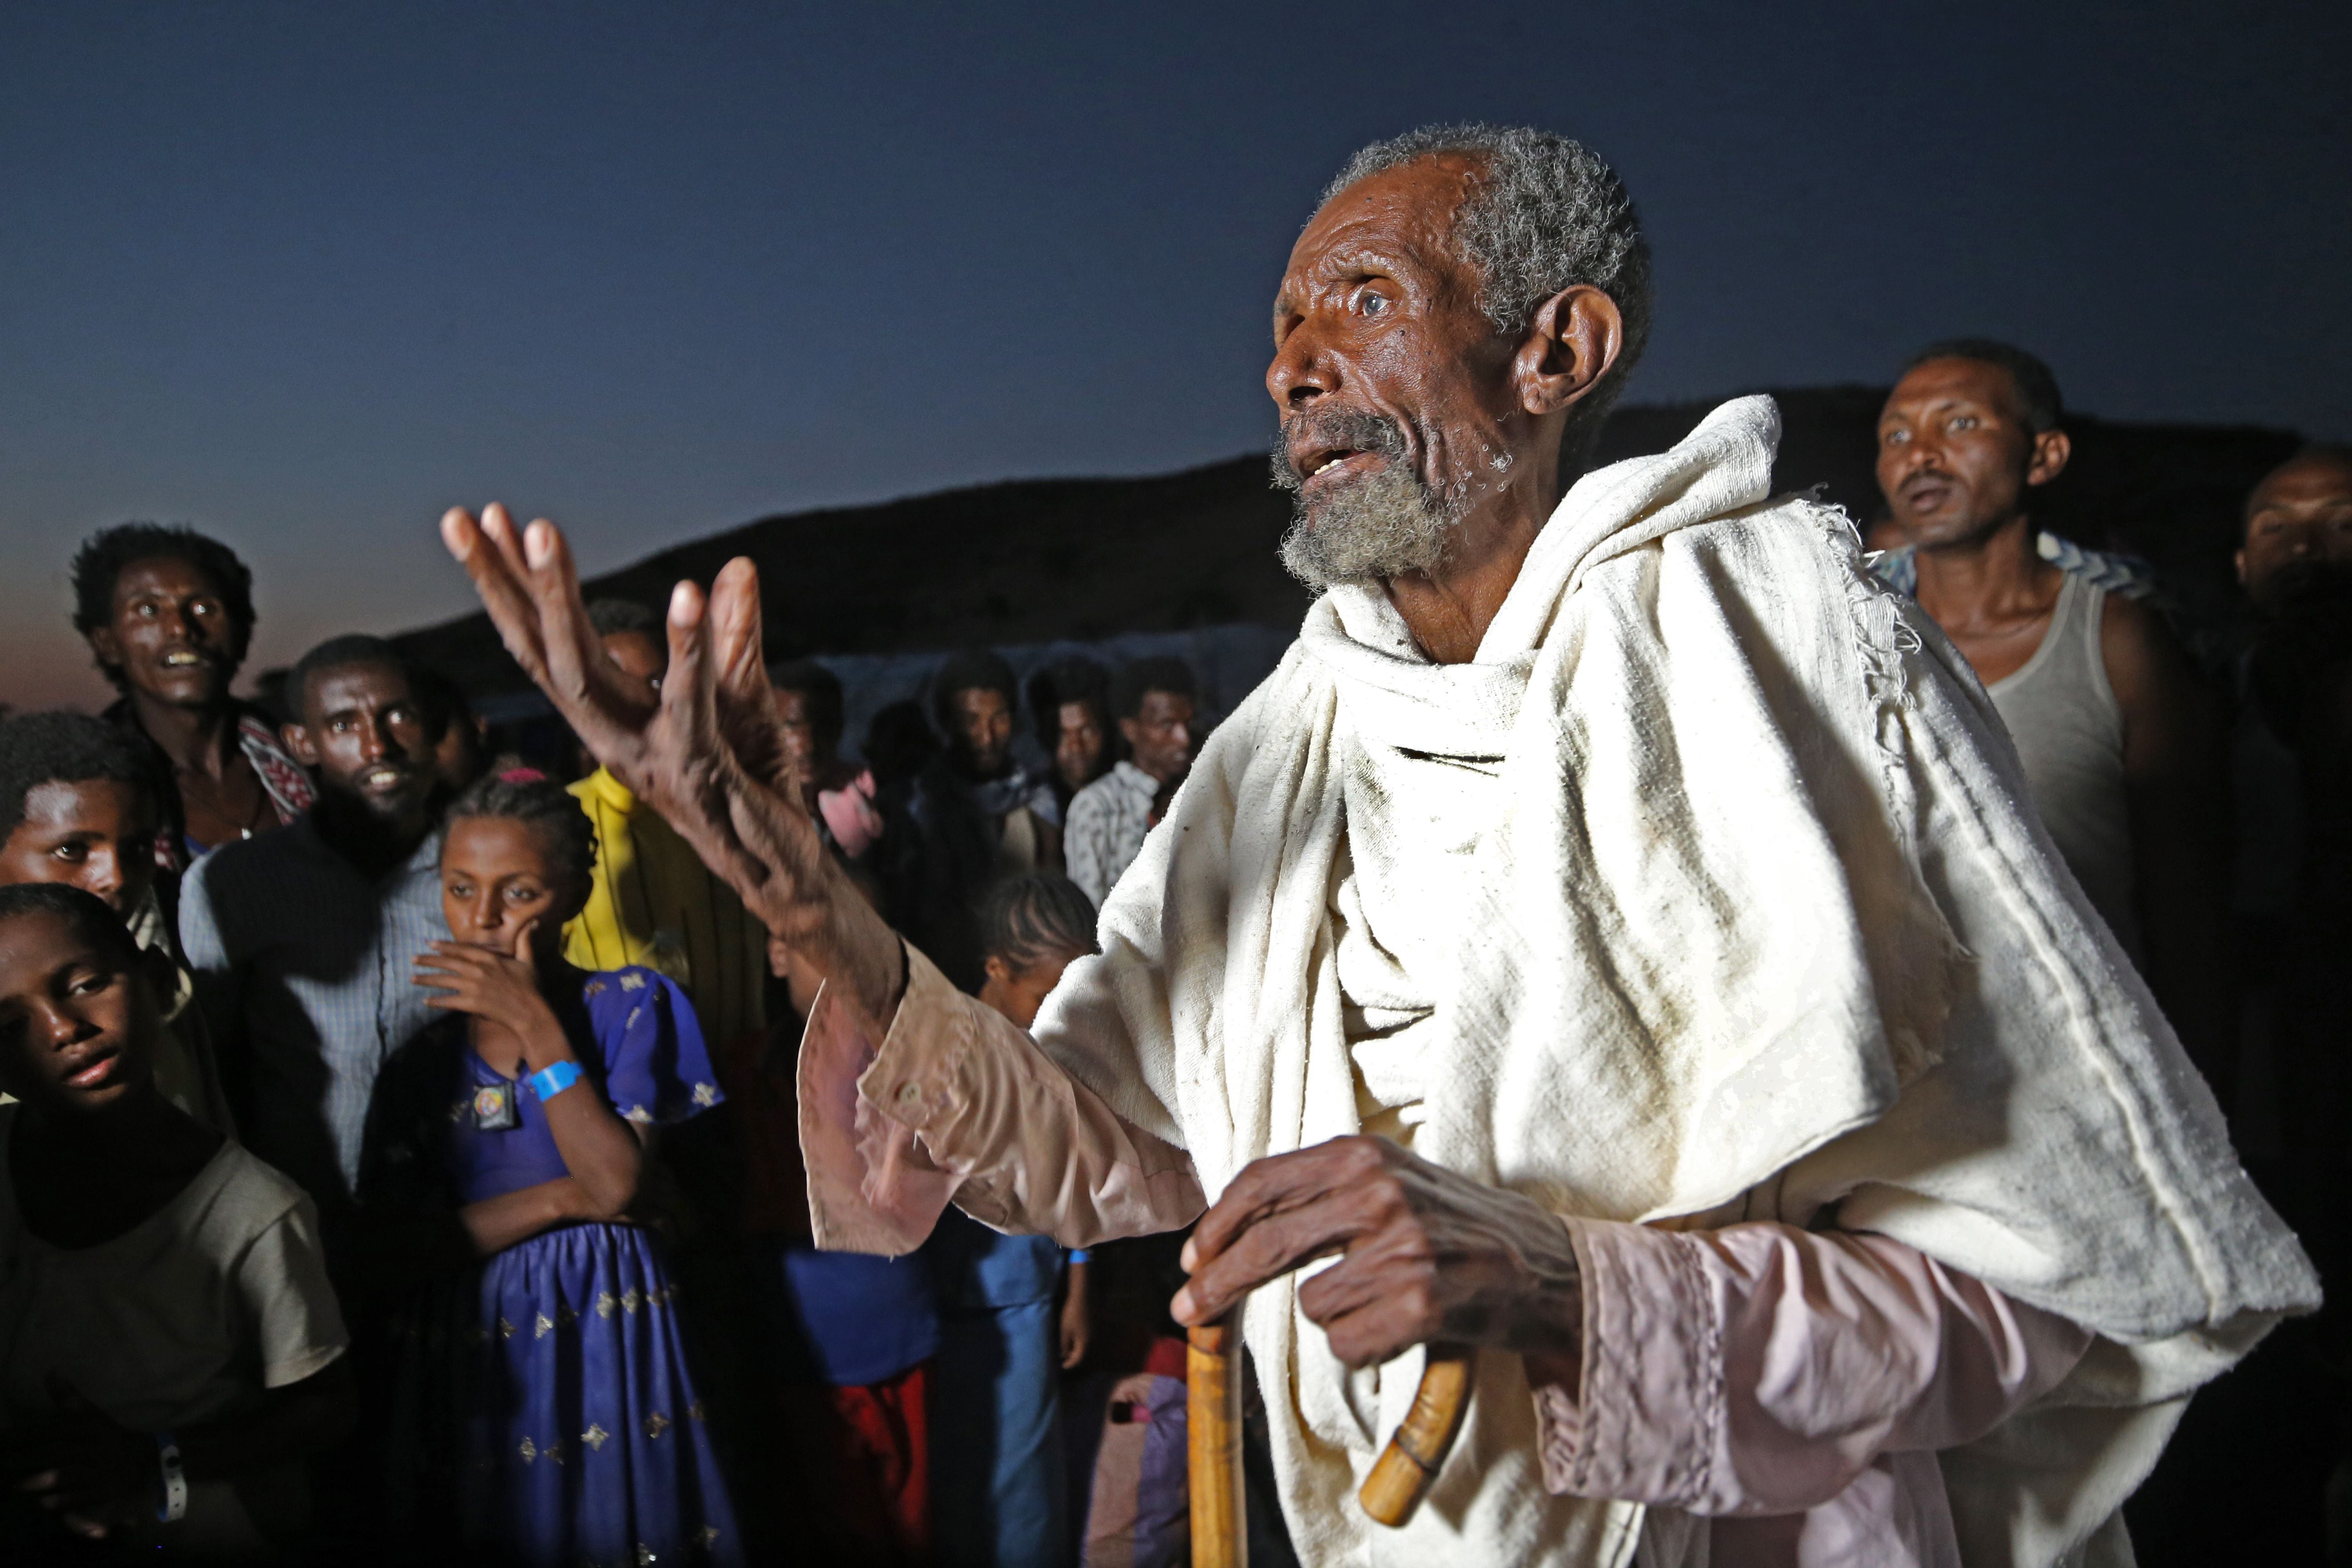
point(181, 658)
point(1331, 465)
point(1925, 492)
point(382, 780)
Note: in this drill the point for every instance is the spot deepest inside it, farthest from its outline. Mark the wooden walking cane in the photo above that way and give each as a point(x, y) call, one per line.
point(1212, 1401)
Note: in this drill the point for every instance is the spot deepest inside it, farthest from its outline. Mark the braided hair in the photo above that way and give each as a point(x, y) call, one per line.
point(530, 797)
point(1035, 918)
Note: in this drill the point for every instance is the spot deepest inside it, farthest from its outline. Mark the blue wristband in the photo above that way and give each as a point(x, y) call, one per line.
point(1078, 1255)
point(550, 1081)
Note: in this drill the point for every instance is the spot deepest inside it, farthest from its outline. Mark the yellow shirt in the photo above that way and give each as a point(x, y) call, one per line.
point(653, 901)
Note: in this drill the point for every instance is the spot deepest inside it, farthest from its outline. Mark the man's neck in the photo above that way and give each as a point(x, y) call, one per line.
point(197, 740)
point(1448, 610)
point(372, 844)
point(1993, 575)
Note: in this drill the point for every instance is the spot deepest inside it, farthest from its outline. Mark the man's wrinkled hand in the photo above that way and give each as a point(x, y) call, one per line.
point(1424, 1254)
point(707, 753)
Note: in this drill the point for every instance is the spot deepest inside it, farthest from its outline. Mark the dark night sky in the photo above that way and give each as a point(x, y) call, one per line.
point(304, 275)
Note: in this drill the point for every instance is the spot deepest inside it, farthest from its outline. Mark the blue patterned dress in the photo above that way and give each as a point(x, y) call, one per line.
point(544, 1412)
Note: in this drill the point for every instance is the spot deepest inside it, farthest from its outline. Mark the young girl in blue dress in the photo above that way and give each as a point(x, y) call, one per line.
point(543, 1411)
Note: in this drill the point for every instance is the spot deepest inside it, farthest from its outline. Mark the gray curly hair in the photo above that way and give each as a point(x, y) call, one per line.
point(1543, 213)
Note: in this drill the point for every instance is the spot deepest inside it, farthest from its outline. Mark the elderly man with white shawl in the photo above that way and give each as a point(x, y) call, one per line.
point(1615, 938)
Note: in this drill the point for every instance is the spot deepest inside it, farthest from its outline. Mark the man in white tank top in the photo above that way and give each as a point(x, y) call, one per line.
point(2122, 743)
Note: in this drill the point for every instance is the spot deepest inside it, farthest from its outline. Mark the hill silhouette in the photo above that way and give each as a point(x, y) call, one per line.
point(1082, 560)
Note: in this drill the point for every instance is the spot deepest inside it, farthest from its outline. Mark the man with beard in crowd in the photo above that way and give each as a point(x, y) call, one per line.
point(2121, 741)
point(1109, 819)
point(303, 943)
point(1607, 851)
point(169, 614)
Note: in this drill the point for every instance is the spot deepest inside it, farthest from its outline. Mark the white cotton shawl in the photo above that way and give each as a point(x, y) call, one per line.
point(1761, 927)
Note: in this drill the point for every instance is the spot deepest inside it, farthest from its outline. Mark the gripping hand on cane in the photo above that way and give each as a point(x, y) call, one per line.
point(1426, 1258)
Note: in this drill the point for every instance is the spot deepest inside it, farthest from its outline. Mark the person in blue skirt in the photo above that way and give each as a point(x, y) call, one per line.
point(542, 1410)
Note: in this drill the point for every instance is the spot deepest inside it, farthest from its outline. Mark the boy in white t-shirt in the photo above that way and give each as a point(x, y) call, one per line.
point(170, 1349)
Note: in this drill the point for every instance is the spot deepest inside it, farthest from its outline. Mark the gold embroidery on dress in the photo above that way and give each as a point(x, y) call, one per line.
point(506, 1329)
point(595, 1436)
point(541, 1326)
point(706, 1094)
point(629, 1300)
point(695, 1410)
point(565, 1316)
point(528, 1452)
point(631, 981)
point(553, 1451)
point(656, 1423)
point(604, 1304)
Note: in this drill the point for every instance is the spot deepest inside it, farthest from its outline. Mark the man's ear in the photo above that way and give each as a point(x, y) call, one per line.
point(106, 646)
point(997, 969)
point(1576, 336)
point(1130, 729)
point(297, 741)
point(2051, 450)
point(2238, 559)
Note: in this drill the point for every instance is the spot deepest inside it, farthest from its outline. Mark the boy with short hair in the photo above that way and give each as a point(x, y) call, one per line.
point(78, 808)
point(174, 1350)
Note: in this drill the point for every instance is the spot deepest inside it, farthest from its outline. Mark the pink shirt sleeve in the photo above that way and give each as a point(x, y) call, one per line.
point(1761, 1369)
point(956, 1103)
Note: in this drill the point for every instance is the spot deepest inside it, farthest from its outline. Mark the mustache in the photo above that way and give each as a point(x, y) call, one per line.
point(1357, 429)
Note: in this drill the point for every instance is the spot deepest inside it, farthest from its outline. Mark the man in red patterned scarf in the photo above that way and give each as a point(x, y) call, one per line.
point(169, 615)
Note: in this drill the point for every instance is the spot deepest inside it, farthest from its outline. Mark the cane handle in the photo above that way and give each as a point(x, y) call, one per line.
point(1401, 1475)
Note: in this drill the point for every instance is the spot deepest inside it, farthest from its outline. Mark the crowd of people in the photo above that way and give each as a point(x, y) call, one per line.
point(404, 1159)
point(382, 1101)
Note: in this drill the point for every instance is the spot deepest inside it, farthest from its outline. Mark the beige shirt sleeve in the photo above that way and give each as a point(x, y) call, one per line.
point(283, 1281)
point(956, 1103)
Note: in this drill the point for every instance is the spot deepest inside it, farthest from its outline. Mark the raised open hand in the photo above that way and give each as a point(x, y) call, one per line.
point(709, 754)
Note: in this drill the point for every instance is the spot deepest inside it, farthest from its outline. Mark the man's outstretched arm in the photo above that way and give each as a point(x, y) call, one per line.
point(708, 754)
point(1001, 1127)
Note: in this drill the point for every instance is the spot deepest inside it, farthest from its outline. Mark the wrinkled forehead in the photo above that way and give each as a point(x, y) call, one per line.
point(370, 683)
point(1954, 380)
point(1400, 219)
point(173, 576)
point(86, 805)
point(2321, 478)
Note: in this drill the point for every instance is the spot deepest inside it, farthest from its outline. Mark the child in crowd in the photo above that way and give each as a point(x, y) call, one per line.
point(999, 1489)
point(170, 1349)
point(544, 1412)
point(78, 806)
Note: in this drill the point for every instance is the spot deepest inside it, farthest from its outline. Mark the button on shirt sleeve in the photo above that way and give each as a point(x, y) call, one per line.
point(1760, 1369)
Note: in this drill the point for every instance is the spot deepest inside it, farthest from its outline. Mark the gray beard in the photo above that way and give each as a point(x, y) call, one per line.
point(1383, 526)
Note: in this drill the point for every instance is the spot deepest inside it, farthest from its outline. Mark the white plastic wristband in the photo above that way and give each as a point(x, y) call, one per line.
point(175, 1479)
